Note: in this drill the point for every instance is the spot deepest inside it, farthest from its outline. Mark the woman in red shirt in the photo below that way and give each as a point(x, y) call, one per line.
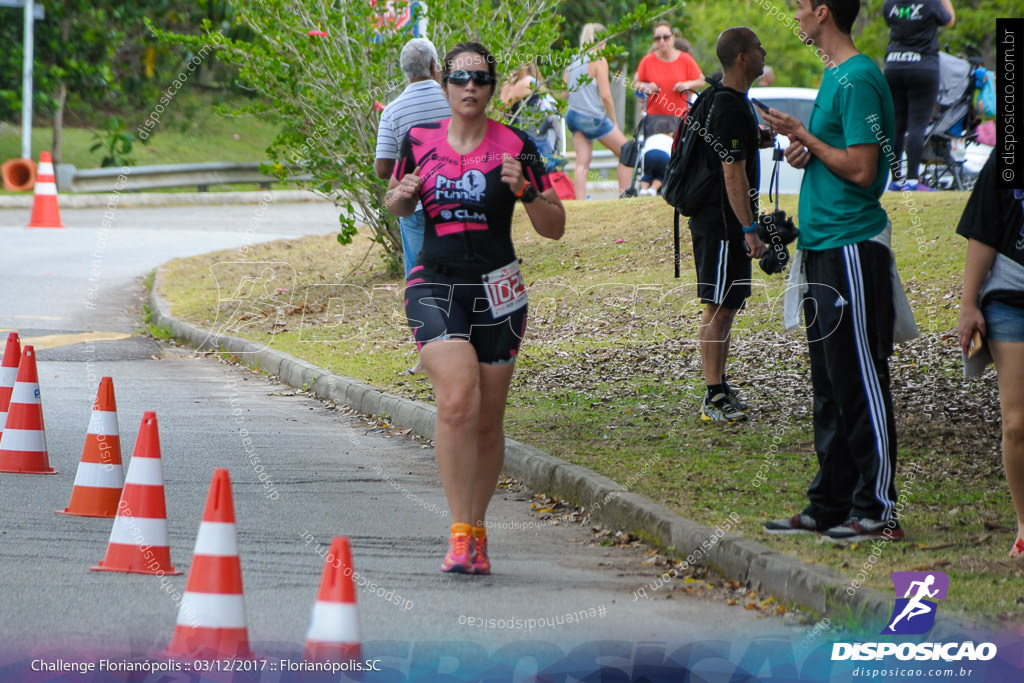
point(666, 74)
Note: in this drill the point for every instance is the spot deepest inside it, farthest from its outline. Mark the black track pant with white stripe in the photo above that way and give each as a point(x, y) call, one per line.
point(849, 317)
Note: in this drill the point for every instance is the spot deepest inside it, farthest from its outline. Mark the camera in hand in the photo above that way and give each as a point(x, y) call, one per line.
point(776, 230)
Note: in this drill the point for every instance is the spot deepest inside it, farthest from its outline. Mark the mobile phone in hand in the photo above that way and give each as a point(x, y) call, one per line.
point(761, 105)
point(977, 342)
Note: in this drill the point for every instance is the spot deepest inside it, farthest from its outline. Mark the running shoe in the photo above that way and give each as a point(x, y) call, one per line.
point(797, 524)
point(459, 559)
point(895, 187)
point(736, 401)
point(719, 408)
point(864, 529)
point(481, 563)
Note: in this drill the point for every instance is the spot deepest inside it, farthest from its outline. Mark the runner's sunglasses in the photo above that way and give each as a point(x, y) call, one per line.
point(461, 77)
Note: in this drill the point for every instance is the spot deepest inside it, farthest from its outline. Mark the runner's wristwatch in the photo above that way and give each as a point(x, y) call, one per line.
point(527, 194)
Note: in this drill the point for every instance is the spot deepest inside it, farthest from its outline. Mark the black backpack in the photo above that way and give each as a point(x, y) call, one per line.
point(692, 171)
point(690, 174)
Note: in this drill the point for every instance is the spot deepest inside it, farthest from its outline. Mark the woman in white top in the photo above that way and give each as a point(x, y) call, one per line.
point(591, 112)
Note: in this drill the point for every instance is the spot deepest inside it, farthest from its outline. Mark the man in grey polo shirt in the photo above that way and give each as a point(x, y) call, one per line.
point(421, 102)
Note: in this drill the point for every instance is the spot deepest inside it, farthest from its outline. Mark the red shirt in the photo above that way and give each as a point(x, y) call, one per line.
point(666, 75)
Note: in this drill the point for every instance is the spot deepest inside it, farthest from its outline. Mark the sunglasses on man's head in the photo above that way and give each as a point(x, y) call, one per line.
point(461, 77)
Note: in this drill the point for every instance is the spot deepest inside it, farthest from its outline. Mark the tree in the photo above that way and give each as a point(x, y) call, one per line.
point(77, 47)
point(92, 59)
point(326, 90)
point(73, 52)
point(629, 32)
point(797, 65)
point(973, 33)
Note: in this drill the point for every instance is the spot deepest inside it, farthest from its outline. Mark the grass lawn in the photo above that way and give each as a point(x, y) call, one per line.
point(609, 378)
point(193, 133)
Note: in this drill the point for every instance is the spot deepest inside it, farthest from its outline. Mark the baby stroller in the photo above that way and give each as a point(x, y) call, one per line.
point(648, 126)
point(953, 126)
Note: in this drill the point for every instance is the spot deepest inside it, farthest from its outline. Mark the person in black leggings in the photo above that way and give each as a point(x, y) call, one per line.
point(912, 71)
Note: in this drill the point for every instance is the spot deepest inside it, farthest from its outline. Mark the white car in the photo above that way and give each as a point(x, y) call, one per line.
point(800, 102)
point(796, 101)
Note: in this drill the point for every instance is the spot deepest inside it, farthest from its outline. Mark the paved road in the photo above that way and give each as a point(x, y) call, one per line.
point(85, 276)
point(330, 474)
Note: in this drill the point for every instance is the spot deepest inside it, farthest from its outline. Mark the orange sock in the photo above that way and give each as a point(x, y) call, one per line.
point(461, 528)
point(479, 532)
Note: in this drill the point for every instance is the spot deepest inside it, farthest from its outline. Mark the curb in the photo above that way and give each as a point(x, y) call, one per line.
point(787, 578)
point(148, 199)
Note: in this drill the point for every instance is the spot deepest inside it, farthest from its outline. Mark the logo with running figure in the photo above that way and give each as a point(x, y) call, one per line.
point(469, 187)
point(914, 613)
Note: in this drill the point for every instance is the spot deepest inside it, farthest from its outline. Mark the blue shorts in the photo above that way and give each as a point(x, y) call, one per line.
point(1003, 323)
point(592, 127)
point(655, 163)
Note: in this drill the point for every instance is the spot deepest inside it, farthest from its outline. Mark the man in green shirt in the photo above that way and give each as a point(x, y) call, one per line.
point(845, 153)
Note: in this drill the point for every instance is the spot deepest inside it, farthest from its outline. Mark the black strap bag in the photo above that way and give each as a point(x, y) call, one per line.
point(692, 171)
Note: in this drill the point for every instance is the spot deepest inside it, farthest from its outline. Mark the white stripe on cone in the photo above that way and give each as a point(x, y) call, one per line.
point(46, 189)
point(3, 421)
point(333, 622)
point(217, 539)
point(25, 392)
point(99, 476)
point(138, 531)
point(212, 610)
point(8, 376)
point(29, 440)
point(45, 168)
point(103, 422)
point(145, 471)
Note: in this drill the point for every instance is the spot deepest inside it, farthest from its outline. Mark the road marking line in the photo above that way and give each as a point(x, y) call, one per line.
point(51, 341)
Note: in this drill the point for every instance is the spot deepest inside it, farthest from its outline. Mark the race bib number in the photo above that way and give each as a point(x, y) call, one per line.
point(506, 291)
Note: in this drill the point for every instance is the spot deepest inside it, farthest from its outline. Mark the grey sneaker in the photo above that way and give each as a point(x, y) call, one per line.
point(864, 529)
point(797, 524)
point(735, 399)
point(719, 408)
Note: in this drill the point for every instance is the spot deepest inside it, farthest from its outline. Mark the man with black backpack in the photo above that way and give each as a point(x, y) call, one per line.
point(724, 241)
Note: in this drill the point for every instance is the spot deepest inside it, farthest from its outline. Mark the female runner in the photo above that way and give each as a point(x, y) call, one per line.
point(466, 298)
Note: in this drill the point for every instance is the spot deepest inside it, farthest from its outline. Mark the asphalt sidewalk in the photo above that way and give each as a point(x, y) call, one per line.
point(788, 579)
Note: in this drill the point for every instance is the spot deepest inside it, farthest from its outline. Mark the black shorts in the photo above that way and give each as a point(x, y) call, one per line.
point(438, 310)
point(723, 271)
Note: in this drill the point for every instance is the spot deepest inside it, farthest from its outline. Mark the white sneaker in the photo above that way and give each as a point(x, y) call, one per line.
point(648, 192)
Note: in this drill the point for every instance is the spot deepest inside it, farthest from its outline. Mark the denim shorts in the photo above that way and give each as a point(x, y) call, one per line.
point(1003, 323)
point(592, 127)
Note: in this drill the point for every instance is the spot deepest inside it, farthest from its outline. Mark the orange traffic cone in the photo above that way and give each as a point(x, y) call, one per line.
point(138, 539)
point(8, 374)
point(45, 210)
point(333, 633)
point(100, 476)
point(23, 442)
point(211, 621)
